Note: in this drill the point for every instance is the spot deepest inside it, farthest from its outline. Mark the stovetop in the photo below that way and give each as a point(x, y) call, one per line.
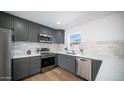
point(47, 54)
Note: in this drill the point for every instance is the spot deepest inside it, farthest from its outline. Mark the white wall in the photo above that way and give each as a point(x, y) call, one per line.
point(110, 29)
point(105, 29)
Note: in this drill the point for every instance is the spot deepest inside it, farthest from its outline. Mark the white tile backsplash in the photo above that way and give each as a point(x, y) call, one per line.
point(111, 48)
point(20, 48)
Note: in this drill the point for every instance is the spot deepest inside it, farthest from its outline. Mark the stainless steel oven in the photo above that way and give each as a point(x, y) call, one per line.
point(47, 62)
point(47, 59)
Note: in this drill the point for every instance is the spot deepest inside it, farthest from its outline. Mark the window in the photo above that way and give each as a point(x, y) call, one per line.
point(75, 39)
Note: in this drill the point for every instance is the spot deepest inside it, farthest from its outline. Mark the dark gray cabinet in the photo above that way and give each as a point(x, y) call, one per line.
point(60, 36)
point(25, 30)
point(33, 32)
point(95, 68)
point(45, 30)
point(20, 29)
point(67, 62)
point(56, 59)
point(54, 36)
point(57, 35)
point(48, 31)
point(6, 20)
point(20, 68)
point(34, 65)
point(24, 67)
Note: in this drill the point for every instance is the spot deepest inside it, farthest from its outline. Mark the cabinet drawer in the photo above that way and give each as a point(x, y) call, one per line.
point(20, 60)
point(35, 62)
point(35, 58)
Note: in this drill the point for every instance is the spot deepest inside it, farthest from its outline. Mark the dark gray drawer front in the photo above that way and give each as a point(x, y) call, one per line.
point(35, 58)
point(20, 60)
point(34, 62)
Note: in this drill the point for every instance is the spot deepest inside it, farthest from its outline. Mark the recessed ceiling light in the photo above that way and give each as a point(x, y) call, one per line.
point(58, 23)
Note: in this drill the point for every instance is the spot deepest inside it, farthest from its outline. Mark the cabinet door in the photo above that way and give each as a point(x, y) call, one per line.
point(95, 68)
point(33, 32)
point(56, 59)
point(45, 30)
point(20, 68)
point(20, 29)
point(53, 36)
point(70, 63)
point(67, 62)
point(60, 36)
point(5, 20)
point(61, 60)
point(35, 65)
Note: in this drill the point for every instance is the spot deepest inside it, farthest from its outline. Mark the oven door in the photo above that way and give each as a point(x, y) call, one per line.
point(47, 62)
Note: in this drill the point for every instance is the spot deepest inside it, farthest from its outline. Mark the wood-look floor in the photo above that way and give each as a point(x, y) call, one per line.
point(56, 74)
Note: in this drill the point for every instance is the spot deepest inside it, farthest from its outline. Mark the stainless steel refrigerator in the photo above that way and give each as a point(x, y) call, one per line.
point(5, 54)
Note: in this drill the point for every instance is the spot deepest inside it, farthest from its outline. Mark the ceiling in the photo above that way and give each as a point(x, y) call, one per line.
point(67, 19)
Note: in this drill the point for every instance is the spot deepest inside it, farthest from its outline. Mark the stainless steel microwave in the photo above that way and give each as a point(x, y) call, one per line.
point(45, 38)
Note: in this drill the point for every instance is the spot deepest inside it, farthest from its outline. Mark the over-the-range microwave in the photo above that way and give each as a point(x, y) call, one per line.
point(45, 38)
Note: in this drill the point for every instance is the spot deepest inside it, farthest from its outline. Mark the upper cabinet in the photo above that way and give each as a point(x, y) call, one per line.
point(57, 35)
point(54, 39)
point(20, 29)
point(33, 32)
point(60, 36)
point(48, 31)
point(45, 30)
point(6, 20)
point(25, 30)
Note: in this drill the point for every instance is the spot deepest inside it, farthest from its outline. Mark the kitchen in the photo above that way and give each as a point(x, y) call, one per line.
point(61, 46)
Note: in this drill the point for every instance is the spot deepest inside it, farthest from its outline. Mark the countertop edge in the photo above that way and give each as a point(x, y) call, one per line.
point(26, 56)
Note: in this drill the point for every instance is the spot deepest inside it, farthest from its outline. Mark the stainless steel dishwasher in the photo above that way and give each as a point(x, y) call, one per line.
point(84, 68)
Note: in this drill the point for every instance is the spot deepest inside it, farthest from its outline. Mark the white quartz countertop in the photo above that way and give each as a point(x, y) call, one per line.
point(25, 55)
point(90, 56)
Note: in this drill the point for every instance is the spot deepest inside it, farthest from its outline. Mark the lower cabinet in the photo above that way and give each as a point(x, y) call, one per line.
point(24, 67)
point(60, 34)
point(67, 62)
point(20, 68)
point(95, 68)
point(34, 65)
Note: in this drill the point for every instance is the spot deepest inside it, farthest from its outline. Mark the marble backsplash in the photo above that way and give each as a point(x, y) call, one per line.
point(20, 48)
point(110, 48)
